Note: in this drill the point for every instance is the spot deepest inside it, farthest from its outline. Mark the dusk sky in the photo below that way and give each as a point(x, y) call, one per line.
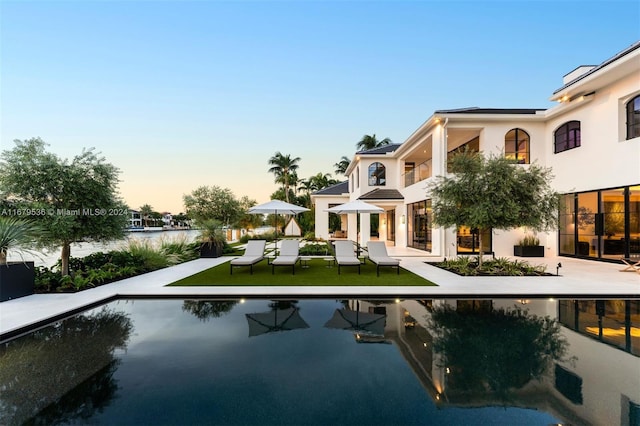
point(183, 94)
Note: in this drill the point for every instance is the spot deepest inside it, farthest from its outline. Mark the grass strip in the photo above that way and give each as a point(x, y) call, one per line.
point(317, 274)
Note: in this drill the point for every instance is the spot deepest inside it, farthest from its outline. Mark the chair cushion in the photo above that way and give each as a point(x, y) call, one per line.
point(246, 260)
point(350, 260)
point(385, 261)
point(285, 260)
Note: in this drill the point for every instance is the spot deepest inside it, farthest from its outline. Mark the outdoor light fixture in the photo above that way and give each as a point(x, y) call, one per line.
point(558, 267)
point(402, 219)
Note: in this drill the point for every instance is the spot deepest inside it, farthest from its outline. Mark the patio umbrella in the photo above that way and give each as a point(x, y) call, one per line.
point(277, 207)
point(357, 207)
point(360, 322)
point(275, 320)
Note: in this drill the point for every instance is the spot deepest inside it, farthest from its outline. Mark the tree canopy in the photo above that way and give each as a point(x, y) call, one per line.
point(206, 203)
point(284, 169)
point(73, 201)
point(342, 165)
point(370, 142)
point(494, 193)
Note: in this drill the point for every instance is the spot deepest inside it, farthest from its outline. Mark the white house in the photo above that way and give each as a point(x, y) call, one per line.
point(590, 139)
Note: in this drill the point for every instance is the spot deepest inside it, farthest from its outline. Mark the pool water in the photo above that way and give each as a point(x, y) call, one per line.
point(327, 362)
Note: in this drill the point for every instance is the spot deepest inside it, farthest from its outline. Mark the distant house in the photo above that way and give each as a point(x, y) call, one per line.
point(167, 220)
point(135, 220)
point(590, 139)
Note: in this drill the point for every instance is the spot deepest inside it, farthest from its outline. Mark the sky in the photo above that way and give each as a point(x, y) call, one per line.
point(180, 94)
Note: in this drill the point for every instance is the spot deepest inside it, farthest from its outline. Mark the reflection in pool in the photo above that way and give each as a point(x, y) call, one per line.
point(323, 362)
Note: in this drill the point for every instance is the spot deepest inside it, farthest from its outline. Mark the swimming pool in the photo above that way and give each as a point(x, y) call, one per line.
point(329, 362)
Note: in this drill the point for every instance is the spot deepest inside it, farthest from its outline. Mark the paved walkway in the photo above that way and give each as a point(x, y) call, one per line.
point(576, 279)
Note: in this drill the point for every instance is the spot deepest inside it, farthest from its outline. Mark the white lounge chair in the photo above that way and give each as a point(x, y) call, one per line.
point(633, 264)
point(345, 255)
point(378, 255)
point(288, 255)
point(253, 253)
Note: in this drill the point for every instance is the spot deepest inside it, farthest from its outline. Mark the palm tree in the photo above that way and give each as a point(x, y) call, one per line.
point(370, 142)
point(284, 169)
point(342, 165)
point(320, 181)
point(306, 186)
point(145, 212)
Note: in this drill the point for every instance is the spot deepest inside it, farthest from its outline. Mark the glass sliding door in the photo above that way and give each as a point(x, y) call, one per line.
point(603, 224)
point(391, 225)
point(632, 221)
point(613, 218)
point(587, 211)
point(567, 226)
point(469, 241)
point(419, 225)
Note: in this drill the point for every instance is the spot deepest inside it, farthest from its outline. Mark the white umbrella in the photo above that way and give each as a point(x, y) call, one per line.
point(275, 320)
point(277, 207)
point(357, 207)
point(360, 322)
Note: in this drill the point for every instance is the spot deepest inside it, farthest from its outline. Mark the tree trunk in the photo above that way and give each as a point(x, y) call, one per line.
point(64, 257)
point(3, 258)
point(480, 251)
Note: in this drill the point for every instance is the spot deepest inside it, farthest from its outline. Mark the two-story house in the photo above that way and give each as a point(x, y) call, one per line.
point(590, 139)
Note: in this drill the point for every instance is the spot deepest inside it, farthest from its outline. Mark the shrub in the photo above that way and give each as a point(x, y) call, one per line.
point(315, 249)
point(529, 240)
point(469, 266)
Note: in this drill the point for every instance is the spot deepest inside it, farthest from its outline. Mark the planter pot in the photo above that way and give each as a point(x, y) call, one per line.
point(210, 250)
point(16, 280)
point(528, 251)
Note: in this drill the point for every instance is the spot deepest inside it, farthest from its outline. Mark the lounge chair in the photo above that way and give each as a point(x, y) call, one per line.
point(253, 253)
point(288, 255)
point(378, 255)
point(345, 255)
point(633, 264)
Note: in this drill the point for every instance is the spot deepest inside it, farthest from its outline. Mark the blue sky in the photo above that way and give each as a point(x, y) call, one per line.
point(183, 94)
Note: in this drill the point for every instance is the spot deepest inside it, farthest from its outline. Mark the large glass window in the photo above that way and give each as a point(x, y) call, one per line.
point(469, 240)
point(633, 118)
point(472, 146)
point(419, 225)
point(567, 137)
point(614, 322)
point(603, 224)
point(516, 146)
point(377, 175)
point(567, 229)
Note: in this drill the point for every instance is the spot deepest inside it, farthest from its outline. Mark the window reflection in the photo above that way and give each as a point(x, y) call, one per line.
point(615, 322)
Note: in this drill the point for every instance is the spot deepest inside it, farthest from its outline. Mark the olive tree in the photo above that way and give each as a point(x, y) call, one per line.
point(71, 200)
point(205, 203)
point(494, 193)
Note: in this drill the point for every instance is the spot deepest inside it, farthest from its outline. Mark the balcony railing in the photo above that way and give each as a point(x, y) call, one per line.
point(420, 172)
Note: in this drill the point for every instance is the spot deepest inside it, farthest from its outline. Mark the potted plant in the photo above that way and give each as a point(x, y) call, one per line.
point(529, 246)
point(212, 239)
point(16, 278)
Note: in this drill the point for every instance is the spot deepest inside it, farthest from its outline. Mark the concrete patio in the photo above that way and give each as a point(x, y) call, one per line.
point(577, 279)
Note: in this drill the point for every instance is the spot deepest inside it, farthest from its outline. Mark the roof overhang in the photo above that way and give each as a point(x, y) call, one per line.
point(621, 65)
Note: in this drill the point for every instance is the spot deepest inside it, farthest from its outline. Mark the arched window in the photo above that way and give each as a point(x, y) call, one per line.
point(516, 146)
point(633, 118)
point(377, 175)
point(567, 136)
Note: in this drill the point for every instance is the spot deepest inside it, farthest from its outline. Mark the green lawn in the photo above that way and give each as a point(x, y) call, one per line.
point(317, 274)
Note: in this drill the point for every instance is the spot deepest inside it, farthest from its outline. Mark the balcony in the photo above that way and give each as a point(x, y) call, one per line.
point(417, 173)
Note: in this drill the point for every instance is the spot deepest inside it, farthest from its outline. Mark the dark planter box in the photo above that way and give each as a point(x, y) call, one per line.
point(16, 280)
point(210, 250)
point(528, 251)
